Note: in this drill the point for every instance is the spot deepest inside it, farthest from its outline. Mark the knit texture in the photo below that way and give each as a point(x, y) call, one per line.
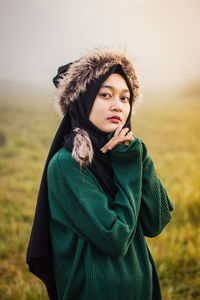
point(99, 248)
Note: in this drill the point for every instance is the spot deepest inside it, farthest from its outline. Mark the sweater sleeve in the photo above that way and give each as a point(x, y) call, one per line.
point(156, 207)
point(76, 198)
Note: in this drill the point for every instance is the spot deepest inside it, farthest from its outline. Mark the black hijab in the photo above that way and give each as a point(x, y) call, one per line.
point(39, 255)
point(79, 115)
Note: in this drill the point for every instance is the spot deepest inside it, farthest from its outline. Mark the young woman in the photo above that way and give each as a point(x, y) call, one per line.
point(100, 194)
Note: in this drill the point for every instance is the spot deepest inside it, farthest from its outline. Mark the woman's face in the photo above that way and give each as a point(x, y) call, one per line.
point(112, 104)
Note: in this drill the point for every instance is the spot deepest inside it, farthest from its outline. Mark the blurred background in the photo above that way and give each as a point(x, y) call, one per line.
point(162, 39)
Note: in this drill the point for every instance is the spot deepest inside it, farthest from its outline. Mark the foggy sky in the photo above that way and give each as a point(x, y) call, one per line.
point(162, 37)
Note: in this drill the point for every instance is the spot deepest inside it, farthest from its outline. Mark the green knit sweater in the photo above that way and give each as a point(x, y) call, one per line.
point(99, 248)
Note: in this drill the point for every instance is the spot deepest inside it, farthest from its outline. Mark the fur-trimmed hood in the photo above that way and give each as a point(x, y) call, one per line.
point(74, 80)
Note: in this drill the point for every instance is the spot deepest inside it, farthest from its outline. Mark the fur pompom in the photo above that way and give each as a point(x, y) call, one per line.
point(82, 151)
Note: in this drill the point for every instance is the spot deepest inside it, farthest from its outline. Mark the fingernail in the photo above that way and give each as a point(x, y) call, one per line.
point(109, 147)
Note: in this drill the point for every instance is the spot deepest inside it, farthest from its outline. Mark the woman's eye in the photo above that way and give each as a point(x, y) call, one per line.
point(105, 95)
point(125, 98)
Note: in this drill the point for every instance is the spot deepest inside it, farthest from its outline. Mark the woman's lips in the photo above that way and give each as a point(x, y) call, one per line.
point(115, 119)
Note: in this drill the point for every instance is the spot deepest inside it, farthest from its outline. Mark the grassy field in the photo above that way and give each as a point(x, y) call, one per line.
point(171, 130)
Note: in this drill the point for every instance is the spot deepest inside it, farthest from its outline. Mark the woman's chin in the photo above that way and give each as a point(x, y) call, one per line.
point(109, 128)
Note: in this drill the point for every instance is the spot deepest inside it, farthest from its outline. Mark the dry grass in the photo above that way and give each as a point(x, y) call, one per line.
point(169, 128)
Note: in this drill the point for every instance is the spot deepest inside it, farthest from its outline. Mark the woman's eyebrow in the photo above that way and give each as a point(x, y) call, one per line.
point(112, 88)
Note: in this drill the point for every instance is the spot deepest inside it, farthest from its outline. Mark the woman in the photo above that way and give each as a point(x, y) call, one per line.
point(100, 194)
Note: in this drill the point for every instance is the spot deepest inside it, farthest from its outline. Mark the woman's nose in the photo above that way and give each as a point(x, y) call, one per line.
point(116, 104)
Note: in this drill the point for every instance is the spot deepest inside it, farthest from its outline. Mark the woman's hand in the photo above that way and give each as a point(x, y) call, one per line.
point(121, 136)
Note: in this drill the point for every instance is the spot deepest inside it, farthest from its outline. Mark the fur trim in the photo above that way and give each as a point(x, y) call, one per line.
point(82, 150)
point(81, 72)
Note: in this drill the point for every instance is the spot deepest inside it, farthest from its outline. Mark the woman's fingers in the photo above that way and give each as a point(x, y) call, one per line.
point(123, 132)
point(123, 136)
point(121, 140)
point(115, 136)
point(117, 131)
